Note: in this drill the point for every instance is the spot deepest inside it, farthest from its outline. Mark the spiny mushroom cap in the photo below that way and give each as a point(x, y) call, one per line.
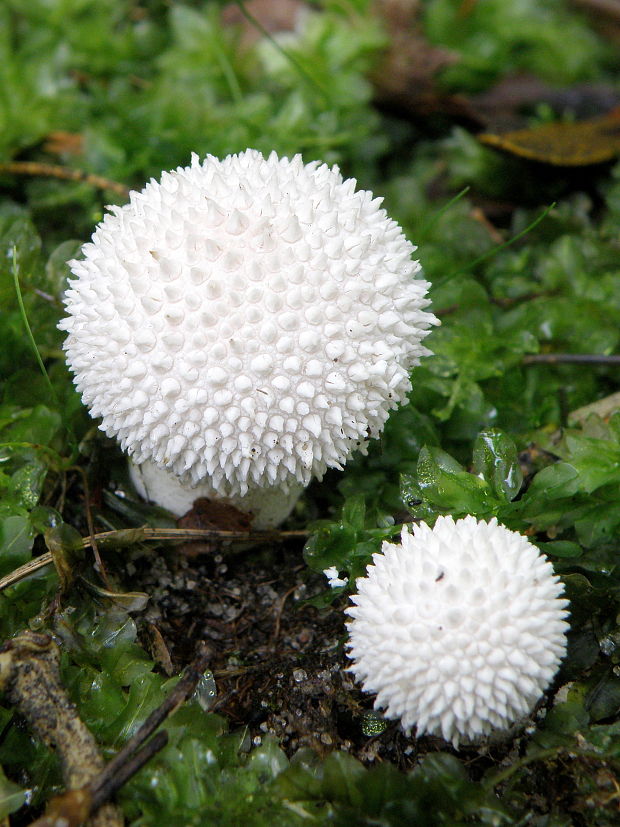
point(249, 320)
point(460, 629)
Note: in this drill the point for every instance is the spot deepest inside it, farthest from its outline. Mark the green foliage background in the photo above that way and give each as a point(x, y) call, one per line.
point(144, 86)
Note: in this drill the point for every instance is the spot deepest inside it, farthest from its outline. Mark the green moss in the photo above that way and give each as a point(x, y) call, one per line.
point(484, 432)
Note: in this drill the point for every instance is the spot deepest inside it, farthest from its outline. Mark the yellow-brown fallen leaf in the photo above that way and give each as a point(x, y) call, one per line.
point(564, 144)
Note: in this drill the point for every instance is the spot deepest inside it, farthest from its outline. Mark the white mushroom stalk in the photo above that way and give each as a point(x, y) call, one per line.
point(458, 630)
point(244, 324)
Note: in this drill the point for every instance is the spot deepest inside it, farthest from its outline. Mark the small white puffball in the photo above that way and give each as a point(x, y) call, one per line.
point(459, 629)
point(246, 322)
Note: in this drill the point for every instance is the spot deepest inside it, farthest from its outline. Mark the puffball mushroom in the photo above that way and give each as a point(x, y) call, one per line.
point(242, 325)
point(459, 629)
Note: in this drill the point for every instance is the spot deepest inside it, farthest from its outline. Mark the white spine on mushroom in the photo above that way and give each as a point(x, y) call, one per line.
point(459, 629)
point(246, 322)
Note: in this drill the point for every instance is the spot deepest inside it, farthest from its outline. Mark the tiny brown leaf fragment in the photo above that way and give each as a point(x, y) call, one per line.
point(564, 144)
point(159, 650)
point(206, 513)
point(211, 514)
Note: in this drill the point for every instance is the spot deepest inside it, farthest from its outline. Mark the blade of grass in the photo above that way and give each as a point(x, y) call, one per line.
point(437, 215)
point(293, 60)
point(33, 344)
point(229, 74)
point(22, 309)
point(498, 247)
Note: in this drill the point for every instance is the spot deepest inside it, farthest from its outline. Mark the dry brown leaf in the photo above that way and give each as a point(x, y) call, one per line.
point(564, 144)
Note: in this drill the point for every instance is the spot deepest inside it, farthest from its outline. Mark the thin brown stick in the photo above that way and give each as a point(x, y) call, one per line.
point(570, 358)
point(181, 692)
point(64, 173)
point(106, 785)
point(91, 527)
point(76, 805)
point(278, 620)
point(128, 536)
point(148, 533)
point(73, 807)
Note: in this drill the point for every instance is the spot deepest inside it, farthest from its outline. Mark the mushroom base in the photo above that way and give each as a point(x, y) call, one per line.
point(269, 506)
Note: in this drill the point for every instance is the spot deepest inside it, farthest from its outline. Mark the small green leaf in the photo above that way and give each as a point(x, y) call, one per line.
point(27, 482)
point(12, 796)
point(268, 761)
point(341, 776)
point(562, 548)
point(451, 489)
point(37, 425)
point(603, 700)
point(354, 511)
point(597, 460)
point(495, 458)
point(16, 538)
point(554, 482)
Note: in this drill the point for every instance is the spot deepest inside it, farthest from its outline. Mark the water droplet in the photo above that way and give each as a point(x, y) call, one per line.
point(608, 645)
point(205, 692)
point(299, 675)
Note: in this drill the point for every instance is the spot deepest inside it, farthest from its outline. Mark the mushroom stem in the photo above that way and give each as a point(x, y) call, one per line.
point(269, 506)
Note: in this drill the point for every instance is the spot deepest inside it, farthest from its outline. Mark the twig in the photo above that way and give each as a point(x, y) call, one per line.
point(30, 680)
point(74, 806)
point(106, 785)
point(173, 701)
point(91, 527)
point(148, 533)
point(280, 609)
point(570, 358)
point(129, 536)
point(64, 173)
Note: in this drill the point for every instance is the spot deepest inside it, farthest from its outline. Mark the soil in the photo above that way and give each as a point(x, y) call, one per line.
point(279, 663)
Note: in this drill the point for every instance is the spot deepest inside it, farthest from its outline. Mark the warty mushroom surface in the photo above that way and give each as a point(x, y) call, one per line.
point(242, 325)
point(459, 629)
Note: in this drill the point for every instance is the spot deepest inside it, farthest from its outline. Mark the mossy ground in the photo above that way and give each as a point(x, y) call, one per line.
point(122, 90)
